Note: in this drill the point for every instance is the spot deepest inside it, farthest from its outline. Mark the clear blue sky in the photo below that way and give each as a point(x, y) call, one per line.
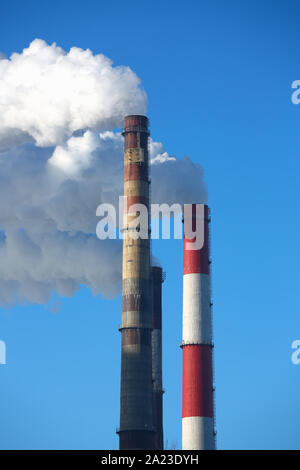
point(218, 77)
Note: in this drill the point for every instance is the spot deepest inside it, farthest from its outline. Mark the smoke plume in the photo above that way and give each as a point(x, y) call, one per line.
point(60, 157)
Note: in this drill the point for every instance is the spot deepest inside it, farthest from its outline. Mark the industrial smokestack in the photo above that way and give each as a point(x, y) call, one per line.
point(136, 417)
point(157, 280)
point(197, 378)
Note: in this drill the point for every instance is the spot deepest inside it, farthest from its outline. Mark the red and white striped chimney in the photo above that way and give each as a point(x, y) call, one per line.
point(198, 431)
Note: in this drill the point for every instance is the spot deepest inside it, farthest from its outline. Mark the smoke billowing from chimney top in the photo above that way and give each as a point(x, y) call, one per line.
point(60, 157)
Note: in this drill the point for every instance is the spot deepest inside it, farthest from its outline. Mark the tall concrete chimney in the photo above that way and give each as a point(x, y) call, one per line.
point(136, 417)
point(157, 280)
point(198, 430)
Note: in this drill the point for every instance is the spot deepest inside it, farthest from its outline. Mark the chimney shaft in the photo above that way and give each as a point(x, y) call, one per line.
point(157, 280)
point(197, 377)
point(136, 418)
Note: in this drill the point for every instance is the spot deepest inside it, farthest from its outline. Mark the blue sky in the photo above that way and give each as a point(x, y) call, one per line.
point(218, 77)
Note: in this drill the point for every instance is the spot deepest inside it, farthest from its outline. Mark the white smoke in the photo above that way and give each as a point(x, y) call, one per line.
point(46, 94)
point(49, 194)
